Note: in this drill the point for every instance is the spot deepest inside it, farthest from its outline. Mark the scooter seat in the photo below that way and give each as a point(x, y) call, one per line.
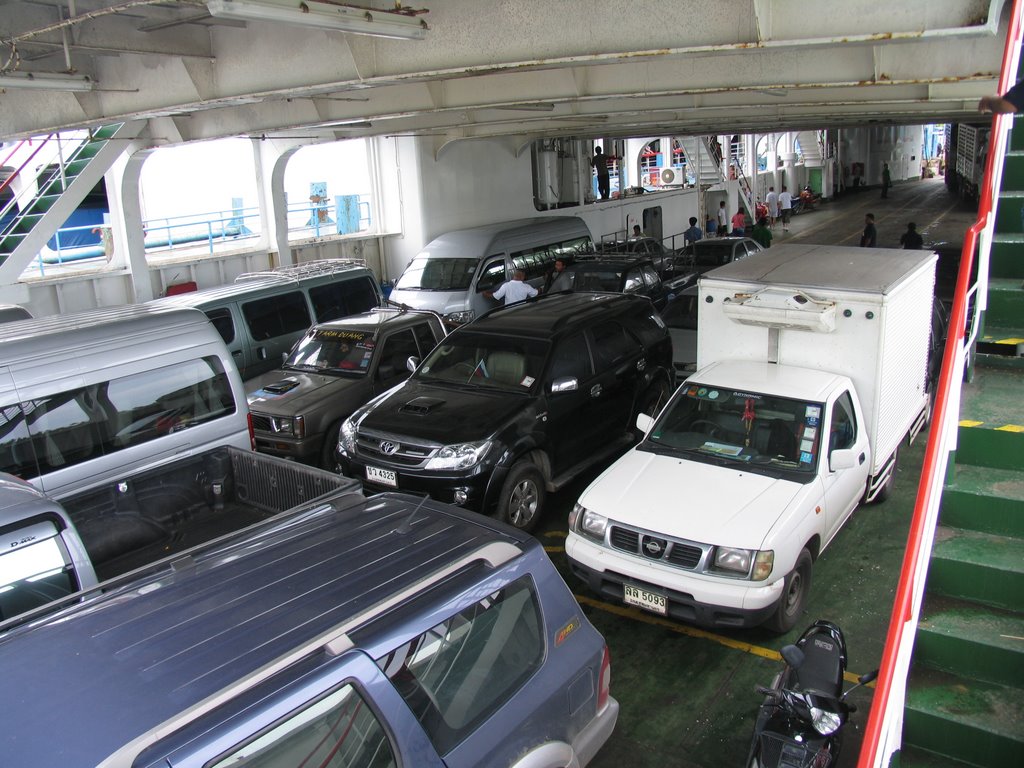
point(821, 670)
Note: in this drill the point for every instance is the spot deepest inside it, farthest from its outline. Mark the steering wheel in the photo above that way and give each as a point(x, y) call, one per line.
point(708, 427)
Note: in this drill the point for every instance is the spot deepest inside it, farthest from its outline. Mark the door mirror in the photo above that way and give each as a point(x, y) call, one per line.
point(564, 384)
point(644, 422)
point(412, 363)
point(844, 458)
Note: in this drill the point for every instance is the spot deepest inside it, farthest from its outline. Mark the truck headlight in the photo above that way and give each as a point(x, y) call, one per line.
point(286, 425)
point(589, 523)
point(741, 562)
point(458, 456)
point(347, 437)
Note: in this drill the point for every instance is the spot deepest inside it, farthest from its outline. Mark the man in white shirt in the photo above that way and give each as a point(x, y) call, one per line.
point(786, 208)
point(772, 200)
point(514, 290)
point(723, 220)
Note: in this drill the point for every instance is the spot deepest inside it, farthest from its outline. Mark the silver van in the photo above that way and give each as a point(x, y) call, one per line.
point(262, 314)
point(452, 272)
point(87, 398)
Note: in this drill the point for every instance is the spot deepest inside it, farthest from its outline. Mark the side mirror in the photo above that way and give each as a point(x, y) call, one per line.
point(843, 458)
point(284, 358)
point(564, 384)
point(644, 422)
point(412, 363)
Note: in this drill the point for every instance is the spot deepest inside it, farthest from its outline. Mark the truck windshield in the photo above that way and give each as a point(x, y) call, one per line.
point(425, 274)
point(333, 350)
point(486, 360)
point(738, 426)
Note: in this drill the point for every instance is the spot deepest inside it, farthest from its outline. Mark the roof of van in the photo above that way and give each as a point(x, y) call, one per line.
point(138, 655)
point(470, 242)
point(283, 278)
point(94, 325)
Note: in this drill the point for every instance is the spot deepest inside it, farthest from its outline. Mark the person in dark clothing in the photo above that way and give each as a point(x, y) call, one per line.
point(911, 240)
point(761, 233)
point(870, 236)
point(600, 165)
point(886, 179)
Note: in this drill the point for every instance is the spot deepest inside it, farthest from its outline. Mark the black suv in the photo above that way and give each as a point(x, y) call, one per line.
point(625, 274)
point(516, 404)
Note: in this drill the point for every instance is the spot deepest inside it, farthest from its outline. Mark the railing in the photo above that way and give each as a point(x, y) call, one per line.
point(321, 218)
point(883, 732)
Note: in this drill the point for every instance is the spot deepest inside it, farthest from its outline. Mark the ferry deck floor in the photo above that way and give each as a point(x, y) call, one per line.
point(687, 695)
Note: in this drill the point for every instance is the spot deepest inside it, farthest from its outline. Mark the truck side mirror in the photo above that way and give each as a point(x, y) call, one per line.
point(843, 458)
point(644, 422)
point(411, 363)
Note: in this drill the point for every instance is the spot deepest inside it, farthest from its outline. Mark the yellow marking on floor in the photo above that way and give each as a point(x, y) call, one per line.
point(549, 550)
point(1010, 428)
point(1009, 340)
point(1003, 428)
point(561, 534)
point(685, 629)
point(969, 423)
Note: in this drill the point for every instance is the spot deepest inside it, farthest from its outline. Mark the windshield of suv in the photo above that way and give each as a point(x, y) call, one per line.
point(740, 427)
point(483, 359)
point(334, 351)
point(425, 274)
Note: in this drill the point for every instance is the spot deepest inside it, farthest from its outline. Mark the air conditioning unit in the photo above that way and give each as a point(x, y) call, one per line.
point(668, 175)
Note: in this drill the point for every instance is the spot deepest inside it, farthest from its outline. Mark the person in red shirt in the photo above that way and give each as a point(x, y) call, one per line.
point(739, 222)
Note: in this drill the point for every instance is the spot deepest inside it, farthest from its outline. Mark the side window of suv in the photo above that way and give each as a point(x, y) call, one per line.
point(572, 358)
point(426, 339)
point(276, 315)
point(397, 348)
point(337, 730)
point(458, 673)
point(612, 344)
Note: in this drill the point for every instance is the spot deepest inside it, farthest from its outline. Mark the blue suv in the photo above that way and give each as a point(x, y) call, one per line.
point(388, 631)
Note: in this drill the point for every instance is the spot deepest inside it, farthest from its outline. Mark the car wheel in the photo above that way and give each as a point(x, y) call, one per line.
point(794, 595)
point(522, 496)
point(327, 458)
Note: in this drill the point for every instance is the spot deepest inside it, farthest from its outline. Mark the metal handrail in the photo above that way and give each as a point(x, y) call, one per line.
point(883, 731)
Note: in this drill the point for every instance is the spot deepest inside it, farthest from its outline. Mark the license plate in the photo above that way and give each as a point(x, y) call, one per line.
point(641, 598)
point(381, 476)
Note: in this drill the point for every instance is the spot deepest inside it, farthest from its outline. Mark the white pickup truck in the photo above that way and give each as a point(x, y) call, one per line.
point(812, 364)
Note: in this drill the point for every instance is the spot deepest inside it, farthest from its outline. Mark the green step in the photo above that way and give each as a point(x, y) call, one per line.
point(1016, 141)
point(1013, 171)
point(1008, 211)
point(911, 757)
point(976, 722)
point(1007, 256)
point(992, 444)
point(106, 131)
point(976, 566)
point(1005, 302)
point(984, 499)
point(970, 640)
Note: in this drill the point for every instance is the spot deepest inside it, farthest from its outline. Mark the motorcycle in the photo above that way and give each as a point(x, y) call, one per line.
point(800, 723)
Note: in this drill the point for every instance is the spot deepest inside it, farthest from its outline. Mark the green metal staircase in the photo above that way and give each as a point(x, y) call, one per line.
point(965, 694)
point(59, 194)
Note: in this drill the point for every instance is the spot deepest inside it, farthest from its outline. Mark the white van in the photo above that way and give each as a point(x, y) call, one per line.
point(90, 397)
point(452, 272)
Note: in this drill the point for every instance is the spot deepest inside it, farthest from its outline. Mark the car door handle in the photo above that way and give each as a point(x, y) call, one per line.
point(595, 391)
point(862, 459)
point(237, 353)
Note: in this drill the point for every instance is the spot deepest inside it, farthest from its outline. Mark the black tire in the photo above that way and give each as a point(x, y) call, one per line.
point(327, 459)
point(522, 496)
point(794, 596)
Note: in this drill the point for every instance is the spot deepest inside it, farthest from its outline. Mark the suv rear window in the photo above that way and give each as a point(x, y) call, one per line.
point(461, 671)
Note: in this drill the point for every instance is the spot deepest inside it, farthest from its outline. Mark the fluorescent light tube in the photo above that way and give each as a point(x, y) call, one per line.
point(308, 13)
point(49, 81)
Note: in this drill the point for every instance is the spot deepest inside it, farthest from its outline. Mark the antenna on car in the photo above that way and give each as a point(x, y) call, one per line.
point(406, 525)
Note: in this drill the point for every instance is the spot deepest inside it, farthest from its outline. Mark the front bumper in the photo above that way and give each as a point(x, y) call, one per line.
point(439, 486)
point(305, 450)
point(704, 601)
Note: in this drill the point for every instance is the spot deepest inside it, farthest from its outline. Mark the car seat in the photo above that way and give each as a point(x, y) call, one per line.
point(506, 367)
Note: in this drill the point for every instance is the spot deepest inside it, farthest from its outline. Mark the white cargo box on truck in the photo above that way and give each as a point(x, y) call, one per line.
point(864, 313)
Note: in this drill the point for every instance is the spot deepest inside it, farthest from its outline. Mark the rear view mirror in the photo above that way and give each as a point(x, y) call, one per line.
point(564, 384)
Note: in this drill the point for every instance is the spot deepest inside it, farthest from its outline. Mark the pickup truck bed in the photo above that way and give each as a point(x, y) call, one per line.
point(171, 508)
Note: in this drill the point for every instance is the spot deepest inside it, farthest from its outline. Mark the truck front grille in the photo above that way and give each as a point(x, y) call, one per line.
point(393, 450)
point(670, 551)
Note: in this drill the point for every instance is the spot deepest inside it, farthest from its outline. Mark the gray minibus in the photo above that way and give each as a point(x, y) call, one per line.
point(452, 272)
point(262, 314)
point(87, 398)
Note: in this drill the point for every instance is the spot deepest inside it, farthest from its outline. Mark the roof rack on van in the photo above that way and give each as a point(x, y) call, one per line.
point(295, 272)
point(333, 642)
